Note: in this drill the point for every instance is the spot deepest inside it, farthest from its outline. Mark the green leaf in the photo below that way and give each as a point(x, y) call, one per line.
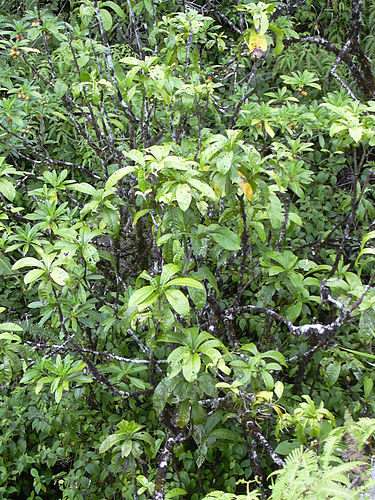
point(268, 380)
point(275, 212)
point(58, 394)
point(5, 267)
point(295, 218)
point(269, 129)
point(333, 373)
point(40, 383)
point(177, 354)
point(167, 272)
point(83, 60)
point(140, 214)
point(225, 162)
point(116, 176)
point(191, 367)
point(107, 19)
point(223, 433)
point(191, 282)
point(224, 237)
point(60, 88)
point(184, 413)
point(356, 133)
point(33, 275)
point(205, 273)
point(259, 229)
point(162, 392)
point(59, 276)
point(364, 354)
point(132, 61)
point(293, 311)
point(369, 236)
point(175, 492)
point(286, 447)
point(115, 7)
point(183, 196)
point(10, 336)
point(164, 239)
point(198, 296)
point(83, 187)
point(34, 472)
point(204, 188)
point(28, 262)
point(126, 448)
point(368, 384)
point(178, 301)
point(109, 442)
point(279, 35)
point(12, 327)
point(365, 251)
point(140, 296)
point(336, 128)
point(7, 189)
point(112, 219)
point(279, 389)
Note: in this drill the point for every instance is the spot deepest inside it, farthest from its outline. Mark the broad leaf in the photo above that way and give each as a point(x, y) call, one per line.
point(7, 189)
point(191, 282)
point(116, 176)
point(178, 301)
point(109, 442)
point(59, 276)
point(224, 237)
point(183, 196)
point(191, 367)
point(33, 275)
point(140, 296)
point(28, 262)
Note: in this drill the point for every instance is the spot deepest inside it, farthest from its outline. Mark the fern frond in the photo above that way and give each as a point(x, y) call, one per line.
point(216, 495)
point(221, 495)
point(331, 443)
point(336, 473)
point(363, 429)
point(337, 492)
point(294, 478)
point(292, 463)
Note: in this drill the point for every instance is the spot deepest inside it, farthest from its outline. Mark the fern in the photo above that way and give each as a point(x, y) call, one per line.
point(330, 445)
point(310, 475)
point(220, 495)
point(362, 431)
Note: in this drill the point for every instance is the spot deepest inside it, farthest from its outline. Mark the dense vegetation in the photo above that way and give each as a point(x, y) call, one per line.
point(187, 228)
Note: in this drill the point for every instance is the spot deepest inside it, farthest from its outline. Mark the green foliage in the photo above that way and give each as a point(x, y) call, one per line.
point(59, 374)
point(186, 250)
point(308, 474)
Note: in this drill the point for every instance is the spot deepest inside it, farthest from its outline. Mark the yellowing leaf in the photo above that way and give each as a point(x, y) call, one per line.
point(217, 190)
point(269, 129)
point(278, 410)
point(266, 395)
point(257, 44)
point(245, 186)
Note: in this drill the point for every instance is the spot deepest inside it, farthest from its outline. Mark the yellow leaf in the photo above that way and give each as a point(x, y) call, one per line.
point(278, 410)
point(245, 186)
point(269, 130)
point(257, 44)
point(218, 192)
point(266, 395)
